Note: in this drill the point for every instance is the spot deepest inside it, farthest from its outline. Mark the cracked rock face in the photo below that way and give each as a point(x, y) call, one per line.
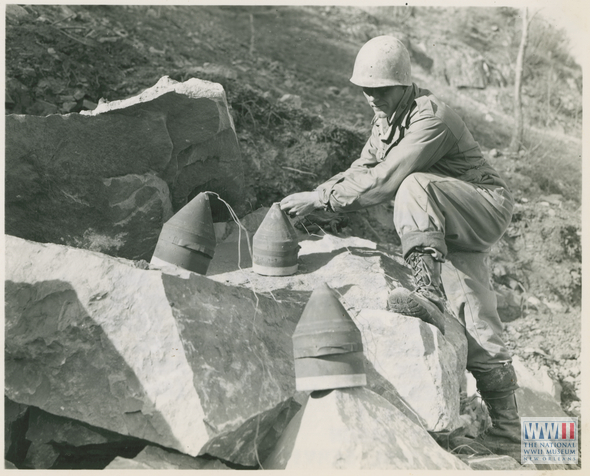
point(108, 180)
point(424, 366)
point(193, 365)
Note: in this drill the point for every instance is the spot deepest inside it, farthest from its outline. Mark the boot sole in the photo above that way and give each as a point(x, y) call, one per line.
point(408, 303)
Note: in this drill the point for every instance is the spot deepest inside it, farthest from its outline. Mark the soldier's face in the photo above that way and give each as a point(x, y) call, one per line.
point(384, 101)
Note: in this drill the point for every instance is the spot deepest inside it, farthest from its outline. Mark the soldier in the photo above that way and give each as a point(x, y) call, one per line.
point(450, 207)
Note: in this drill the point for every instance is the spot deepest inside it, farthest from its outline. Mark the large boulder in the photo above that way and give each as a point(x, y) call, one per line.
point(425, 367)
point(356, 429)
point(204, 365)
point(189, 364)
point(108, 180)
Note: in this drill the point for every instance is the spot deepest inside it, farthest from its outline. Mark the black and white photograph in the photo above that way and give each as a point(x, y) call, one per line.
point(287, 236)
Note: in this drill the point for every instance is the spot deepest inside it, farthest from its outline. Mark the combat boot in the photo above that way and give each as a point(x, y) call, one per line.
point(504, 436)
point(496, 387)
point(426, 302)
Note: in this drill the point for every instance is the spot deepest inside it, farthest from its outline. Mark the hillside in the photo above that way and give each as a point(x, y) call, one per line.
point(60, 57)
point(285, 71)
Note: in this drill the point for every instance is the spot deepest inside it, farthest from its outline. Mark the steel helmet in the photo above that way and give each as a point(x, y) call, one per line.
point(382, 61)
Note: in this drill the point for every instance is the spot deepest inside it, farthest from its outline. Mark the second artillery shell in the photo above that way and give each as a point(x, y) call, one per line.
point(275, 245)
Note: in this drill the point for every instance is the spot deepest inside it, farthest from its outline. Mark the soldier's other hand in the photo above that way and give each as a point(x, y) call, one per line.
point(301, 204)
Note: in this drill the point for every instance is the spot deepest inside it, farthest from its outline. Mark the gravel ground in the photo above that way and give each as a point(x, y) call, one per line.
point(553, 341)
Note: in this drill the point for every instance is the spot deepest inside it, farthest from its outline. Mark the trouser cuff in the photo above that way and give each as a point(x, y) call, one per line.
point(433, 239)
point(497, 381)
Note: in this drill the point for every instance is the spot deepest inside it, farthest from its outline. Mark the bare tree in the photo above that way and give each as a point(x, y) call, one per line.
point(516, 141)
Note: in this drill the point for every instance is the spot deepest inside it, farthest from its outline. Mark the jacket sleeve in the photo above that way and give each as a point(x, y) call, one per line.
point(368, 158)
point(369, 182)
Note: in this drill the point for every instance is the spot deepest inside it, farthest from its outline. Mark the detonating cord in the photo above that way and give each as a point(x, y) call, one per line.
point(241, 227)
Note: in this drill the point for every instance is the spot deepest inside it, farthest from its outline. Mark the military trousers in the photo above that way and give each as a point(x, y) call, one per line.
point(462, 220)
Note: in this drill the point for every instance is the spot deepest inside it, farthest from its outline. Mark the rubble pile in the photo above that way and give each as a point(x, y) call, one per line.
point(104, 355)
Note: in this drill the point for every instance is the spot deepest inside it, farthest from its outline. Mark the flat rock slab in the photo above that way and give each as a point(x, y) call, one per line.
point(152, 457)
point(495, 463)
point(350, 266)
point(108, 180)
point(356, 429)
point(189, 364)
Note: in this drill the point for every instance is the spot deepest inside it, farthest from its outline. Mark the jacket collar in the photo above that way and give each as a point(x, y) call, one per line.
point(401, 115)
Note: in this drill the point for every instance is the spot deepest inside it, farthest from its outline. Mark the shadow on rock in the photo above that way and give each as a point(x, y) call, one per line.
point(69, 367)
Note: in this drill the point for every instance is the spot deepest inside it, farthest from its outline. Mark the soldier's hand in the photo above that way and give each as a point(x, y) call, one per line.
point(301, 204)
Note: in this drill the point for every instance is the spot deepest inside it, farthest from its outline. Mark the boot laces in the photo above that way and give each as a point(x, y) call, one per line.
point(421, 273)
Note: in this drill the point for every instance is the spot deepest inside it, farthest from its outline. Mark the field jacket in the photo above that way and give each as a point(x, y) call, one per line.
point(423, 135)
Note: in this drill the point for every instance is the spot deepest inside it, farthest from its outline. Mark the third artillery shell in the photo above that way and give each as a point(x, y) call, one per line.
point(327, 345)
